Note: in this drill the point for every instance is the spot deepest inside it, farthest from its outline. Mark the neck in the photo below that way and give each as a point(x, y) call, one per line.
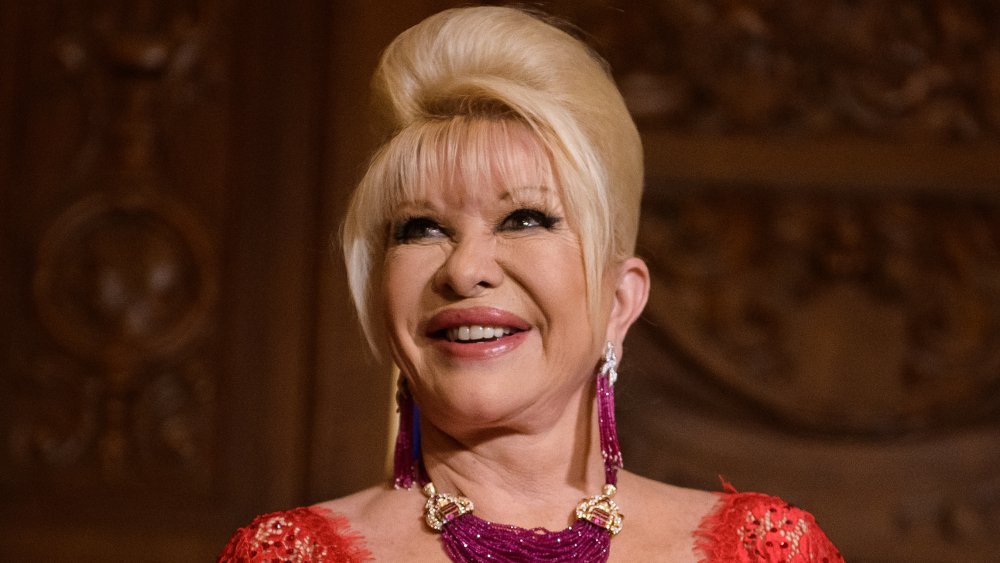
point(529, 477)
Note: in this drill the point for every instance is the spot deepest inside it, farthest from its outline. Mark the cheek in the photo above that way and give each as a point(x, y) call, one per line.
point(404, 276)
point(398, 283)
point(553, 272)
point(562, 265)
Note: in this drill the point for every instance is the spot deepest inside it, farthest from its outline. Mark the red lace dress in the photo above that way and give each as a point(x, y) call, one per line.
point(301, 535)
point(753, 527)
point(744, 528)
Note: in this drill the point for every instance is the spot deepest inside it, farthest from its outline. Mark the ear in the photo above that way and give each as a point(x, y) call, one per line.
point(631, 293)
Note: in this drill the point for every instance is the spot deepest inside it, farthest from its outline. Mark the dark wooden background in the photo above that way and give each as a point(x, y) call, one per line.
point(822, 221)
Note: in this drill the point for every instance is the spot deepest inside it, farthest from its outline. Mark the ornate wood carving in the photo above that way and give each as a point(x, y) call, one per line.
point(841, 349)
point(882, 315)
point(161, 194)
point(125, 281)
point(115, 380)
point(823, 227)
point(896, 69)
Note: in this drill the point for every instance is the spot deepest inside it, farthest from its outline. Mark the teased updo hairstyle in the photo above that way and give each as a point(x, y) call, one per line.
point(442, 79)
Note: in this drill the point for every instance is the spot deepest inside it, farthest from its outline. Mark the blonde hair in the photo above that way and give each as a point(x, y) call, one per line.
point(454, 85)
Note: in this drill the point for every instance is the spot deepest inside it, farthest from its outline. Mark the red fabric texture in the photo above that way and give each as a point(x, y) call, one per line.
point(301, 535)
point(757, 528)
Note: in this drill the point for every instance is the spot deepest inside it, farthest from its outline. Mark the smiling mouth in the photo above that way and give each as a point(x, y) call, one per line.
point(477, 333)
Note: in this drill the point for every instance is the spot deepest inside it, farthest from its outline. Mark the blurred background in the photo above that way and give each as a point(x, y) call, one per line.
point(822, 222)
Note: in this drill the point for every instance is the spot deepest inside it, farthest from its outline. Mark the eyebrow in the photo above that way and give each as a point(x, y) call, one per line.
point(541, 189)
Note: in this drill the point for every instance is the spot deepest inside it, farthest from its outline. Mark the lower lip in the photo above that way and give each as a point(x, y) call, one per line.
point(482, 350)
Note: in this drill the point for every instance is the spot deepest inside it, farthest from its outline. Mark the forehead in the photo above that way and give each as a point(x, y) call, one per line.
point(463, 161)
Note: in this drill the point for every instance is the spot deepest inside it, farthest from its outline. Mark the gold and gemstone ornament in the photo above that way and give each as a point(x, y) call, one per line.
point(601, 511)
point(442, 508)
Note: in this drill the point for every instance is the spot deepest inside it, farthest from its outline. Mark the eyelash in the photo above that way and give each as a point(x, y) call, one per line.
point(414, 228)
point(543, 220)
point(405, 231)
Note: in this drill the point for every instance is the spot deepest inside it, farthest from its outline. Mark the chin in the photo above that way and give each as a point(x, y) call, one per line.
point(471, 410)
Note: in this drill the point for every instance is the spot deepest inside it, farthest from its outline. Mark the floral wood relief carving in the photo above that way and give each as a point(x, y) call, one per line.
point(896, 69)
point(124, 281)
point(125, 274)
point(881, 315)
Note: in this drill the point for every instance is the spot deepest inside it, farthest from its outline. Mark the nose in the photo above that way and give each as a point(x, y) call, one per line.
point(470, 267)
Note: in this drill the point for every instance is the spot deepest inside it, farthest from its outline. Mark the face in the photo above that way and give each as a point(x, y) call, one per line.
point(485, 297)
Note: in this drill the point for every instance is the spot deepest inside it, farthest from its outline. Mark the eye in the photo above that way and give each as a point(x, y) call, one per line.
point(523, 219)
point(416, 228)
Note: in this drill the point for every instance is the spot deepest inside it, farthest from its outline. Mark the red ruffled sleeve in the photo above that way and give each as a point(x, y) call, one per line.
point(754, 528)
point(302, 535)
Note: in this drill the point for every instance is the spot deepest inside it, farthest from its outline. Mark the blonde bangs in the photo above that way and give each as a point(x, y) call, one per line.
point(472, 154)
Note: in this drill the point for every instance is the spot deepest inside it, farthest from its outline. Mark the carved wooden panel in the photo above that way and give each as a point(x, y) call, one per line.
point(110, 380)
point(791, 301)
point(160, 178)
point(840, 349)
point(898, 68)
point(110, 375)
point(823, 225)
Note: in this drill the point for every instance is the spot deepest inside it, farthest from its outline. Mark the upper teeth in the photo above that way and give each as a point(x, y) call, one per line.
point(477, 332)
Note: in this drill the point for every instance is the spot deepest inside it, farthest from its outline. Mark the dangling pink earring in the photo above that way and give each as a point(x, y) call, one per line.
point(407, 450)
point(606, 378)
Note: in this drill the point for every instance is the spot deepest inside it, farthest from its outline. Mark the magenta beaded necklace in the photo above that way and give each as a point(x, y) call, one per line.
point(469, 539)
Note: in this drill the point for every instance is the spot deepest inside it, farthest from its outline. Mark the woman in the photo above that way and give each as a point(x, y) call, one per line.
point(490, 253)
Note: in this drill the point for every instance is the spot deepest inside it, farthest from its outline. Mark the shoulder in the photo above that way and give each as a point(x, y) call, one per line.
point(660, 519)
point(760, 527)
point(308, 534)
